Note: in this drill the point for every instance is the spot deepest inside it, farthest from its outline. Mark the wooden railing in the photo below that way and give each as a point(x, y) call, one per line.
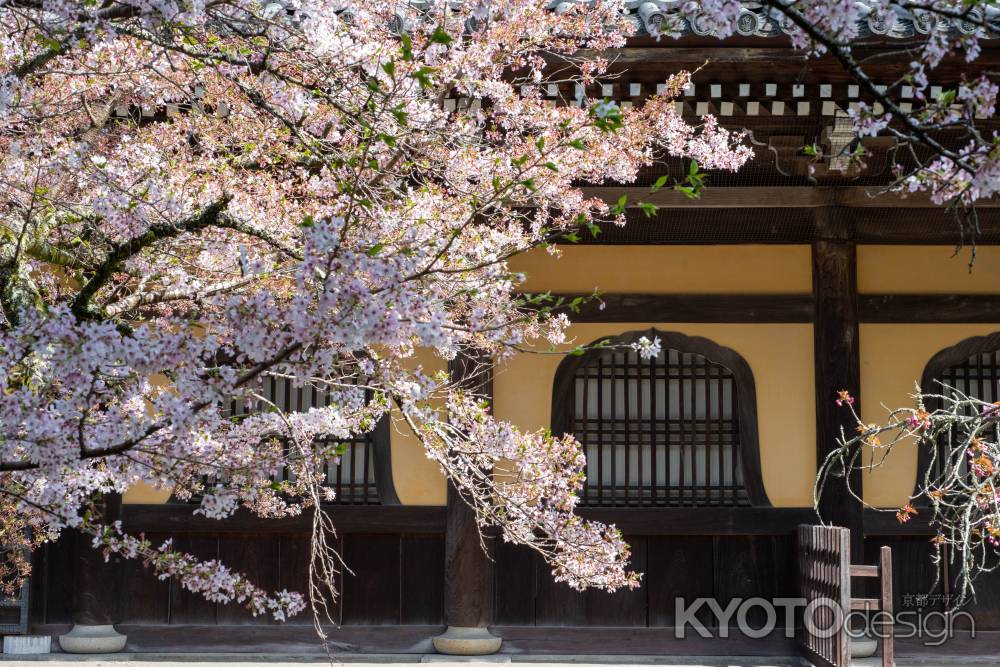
point(825, 573)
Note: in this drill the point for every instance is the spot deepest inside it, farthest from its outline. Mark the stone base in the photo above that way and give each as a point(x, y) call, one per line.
point(92, 639)
point(466, 641)
point(863, 647)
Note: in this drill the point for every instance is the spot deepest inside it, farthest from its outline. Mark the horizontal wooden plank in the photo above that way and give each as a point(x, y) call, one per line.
point(694, 308)
point(703, 520)
point(719, 197)
point(177, 519)
point(866, 604)
point(770, 197)
point(914, 308)
point(885, 524)
point(864, 570)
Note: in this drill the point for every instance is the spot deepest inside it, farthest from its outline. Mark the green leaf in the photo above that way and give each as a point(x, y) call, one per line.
point(389, 68)
point(307, 222)
point(551, 166)
point(648, 209)
point(406, 47)
point(423, 76)
point(440, 36)
point(400, 115)
point(578, 145)
point(946, 97)
point(660, 182)
point(619, 207)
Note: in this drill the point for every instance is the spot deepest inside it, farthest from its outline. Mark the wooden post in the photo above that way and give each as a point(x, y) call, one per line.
point(93, 600)
point(886, 613)
point(838, 363)
point(468, 569)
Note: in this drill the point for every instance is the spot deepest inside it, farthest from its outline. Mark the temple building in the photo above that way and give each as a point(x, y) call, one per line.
point(779, 286)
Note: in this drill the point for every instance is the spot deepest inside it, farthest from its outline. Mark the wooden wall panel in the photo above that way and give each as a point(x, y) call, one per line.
point(914, 575)
point(372, 592)
point(257, 557)
point(515, 585)
point(986, 609)
point(187, 608)
point(52, 582)
point(688, 567)
point(293, 574)
point(556, 603)
point(143, 597)
point(623, 608)
point(422, 580)
point(679, 567)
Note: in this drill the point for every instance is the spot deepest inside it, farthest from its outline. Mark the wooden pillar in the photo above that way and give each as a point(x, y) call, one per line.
point(838, 362)
point(93, 599)
point(469, 576)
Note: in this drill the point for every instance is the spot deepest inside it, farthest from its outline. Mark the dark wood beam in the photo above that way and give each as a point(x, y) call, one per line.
point(703, 520)
point(885, 524)
point(930, 308)
point(741, 197)
point(177, 519)
point(773, 308)
point(838, 363)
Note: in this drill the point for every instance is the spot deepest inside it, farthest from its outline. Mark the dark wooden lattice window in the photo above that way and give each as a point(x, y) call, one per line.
point(363, 475)
point(677, 430)
point(971, 367)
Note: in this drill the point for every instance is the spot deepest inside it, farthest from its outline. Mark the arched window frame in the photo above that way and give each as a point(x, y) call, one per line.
point(936, 366)
point(563, 396)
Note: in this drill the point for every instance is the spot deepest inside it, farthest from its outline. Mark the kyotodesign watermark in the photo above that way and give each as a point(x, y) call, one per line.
point(758, 617)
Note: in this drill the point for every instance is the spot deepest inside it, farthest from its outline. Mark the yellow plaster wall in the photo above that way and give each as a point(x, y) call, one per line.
point(893, 357)
point(144, 494)
point(927, 270)
point(780, 356)
point(660, 269)
point(417, 479)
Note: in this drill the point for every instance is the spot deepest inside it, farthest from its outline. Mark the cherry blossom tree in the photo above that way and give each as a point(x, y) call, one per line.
point(197, 195)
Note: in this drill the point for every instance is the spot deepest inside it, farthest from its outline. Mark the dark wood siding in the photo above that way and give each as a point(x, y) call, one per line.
point(398, 574)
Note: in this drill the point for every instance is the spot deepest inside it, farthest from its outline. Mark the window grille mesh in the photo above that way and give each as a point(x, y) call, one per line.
point(353, 478)
point(976, 377)
point(662, 432)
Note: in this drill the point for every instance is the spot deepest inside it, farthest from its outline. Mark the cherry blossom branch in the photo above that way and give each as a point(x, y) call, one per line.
point(959, 489)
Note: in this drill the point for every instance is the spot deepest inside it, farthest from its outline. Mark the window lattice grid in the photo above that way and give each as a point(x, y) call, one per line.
point(976, 377)
point(659, 432)
point(353, 477)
